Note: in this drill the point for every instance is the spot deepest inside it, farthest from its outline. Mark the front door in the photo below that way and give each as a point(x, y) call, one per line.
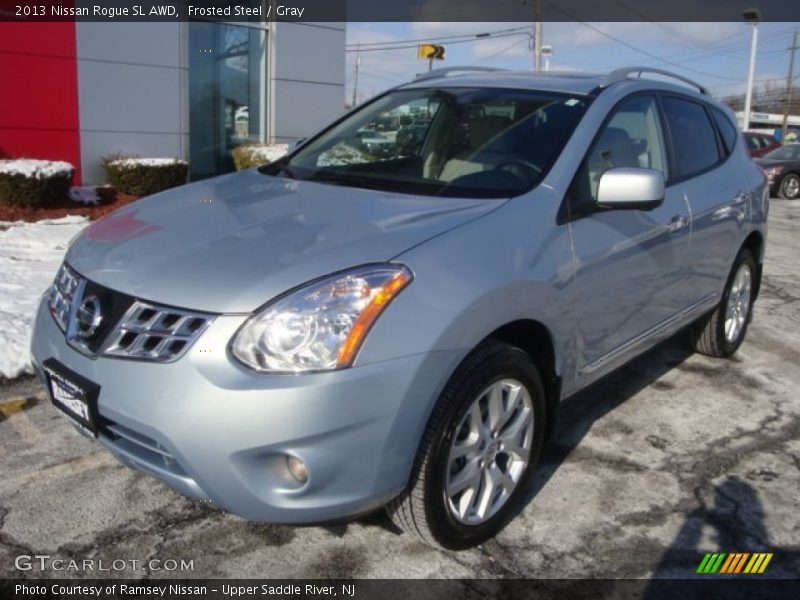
point(631, 264)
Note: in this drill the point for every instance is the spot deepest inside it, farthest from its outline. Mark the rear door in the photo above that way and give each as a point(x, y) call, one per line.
point(630, 264)
point(715, 188)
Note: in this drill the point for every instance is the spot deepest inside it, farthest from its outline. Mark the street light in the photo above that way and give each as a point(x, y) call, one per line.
point(547, 52)
point(752, 17)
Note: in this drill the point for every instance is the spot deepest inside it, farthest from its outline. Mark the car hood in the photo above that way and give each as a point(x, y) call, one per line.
point(232, 243)
point(772, 162)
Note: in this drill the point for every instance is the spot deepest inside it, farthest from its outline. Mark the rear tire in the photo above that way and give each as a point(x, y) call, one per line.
point(789, 187)
point(721, 332)
point(478, 452)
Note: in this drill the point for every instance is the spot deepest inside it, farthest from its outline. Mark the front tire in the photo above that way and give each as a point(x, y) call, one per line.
point(789, 188)
point(720, 333)
point(478, 452)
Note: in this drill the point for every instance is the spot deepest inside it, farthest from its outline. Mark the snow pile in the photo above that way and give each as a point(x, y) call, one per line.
point(86, 194)
point(147, 162)
point(30, 254)
point(39, 169)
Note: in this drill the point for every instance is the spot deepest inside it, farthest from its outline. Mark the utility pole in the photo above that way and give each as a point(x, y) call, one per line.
point(789, 80)
point(752, 17)
point(537, 36)
point(355, 78)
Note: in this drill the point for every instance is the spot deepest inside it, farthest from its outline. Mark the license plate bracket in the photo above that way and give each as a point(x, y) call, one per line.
point(72, 394)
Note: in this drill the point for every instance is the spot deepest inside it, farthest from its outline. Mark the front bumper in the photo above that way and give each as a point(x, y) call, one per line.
point(215, 431)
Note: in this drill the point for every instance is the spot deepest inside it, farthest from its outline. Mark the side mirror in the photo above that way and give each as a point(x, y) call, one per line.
point(630, 188)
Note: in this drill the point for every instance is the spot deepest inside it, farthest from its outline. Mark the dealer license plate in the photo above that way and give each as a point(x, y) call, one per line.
point(73, 394)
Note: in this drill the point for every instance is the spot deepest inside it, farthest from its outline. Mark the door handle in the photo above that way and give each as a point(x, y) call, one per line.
point(678, 223)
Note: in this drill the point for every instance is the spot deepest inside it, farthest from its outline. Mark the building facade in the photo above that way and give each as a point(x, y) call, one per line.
point(193, 90)
point(768, 122)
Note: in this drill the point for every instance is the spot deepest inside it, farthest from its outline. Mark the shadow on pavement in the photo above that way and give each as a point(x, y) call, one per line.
point(577, 414)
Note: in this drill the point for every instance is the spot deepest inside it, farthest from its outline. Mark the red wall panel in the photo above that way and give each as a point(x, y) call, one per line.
point(39, 98)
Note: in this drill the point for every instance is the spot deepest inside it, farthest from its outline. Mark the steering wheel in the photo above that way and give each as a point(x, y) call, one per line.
point(523, 170)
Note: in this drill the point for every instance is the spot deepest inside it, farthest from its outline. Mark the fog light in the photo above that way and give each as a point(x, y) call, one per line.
point(297, 468)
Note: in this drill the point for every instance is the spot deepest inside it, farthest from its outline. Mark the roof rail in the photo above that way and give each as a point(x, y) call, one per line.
point(622, 74)
point(444, 71)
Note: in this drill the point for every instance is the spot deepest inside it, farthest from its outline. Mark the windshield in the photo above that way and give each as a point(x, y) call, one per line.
point(473, 143)
point(790, 152)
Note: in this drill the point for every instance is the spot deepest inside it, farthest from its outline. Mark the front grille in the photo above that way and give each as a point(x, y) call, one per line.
point(61, 295)
point(101, 321)
point(155, 333)
point(113, 304)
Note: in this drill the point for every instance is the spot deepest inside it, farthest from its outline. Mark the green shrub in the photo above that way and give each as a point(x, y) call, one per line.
point(248, 156)
point(144, 176)
point(33, 183)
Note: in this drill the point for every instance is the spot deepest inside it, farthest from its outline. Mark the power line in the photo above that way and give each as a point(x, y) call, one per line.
point(763, 80)
point(406, 46)
point(437, 39)
point(496, 54)
point(660, 59)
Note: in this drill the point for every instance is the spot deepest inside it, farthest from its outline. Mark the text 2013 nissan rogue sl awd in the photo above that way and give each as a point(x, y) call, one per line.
point(346, 329)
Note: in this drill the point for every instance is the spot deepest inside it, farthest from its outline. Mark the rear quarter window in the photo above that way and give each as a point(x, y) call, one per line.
point(693, 137)
point(727, 130)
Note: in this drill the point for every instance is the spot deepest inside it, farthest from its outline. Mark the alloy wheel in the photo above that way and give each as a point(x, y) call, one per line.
point(791, 187)
point(738, 306)
point(489, 452)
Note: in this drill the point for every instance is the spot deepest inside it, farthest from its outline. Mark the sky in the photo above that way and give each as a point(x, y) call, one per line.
point(713, 54)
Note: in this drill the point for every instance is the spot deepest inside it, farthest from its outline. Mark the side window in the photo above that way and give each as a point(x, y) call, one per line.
point(692, 135)
point(726, 129)
point(631, 138)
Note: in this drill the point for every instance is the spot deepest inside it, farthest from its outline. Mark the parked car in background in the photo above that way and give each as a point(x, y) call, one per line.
point(760, 143)
point(374, 142)
point(337, 332)
point(782, 168)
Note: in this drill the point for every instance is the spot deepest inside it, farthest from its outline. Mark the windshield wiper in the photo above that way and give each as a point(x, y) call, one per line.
point(279, 167)
point(345, 180)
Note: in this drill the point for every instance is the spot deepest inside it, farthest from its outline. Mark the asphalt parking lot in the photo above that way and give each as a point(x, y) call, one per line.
point(674, 456)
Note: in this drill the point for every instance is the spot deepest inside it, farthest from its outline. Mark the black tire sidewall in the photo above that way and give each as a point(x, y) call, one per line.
point(507, 362)
point(745, 256)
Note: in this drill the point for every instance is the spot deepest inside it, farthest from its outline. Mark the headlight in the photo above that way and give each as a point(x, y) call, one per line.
point(773, 171)
point(320, 326)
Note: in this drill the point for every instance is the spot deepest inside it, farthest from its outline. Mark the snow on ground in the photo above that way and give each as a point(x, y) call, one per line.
point(30, 254)
point(28, 167)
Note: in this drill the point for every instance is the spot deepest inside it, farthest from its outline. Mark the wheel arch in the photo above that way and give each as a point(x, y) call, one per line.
point(755, 243)
point(535, 339)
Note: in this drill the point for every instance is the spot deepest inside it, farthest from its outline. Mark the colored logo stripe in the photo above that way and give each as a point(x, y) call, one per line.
point(758, 563)
point(711, 563)
point(734, 563)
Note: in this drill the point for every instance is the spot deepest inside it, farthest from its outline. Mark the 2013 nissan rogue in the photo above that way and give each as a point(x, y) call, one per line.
point(346, 329)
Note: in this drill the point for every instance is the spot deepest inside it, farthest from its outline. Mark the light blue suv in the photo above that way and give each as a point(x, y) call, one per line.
point(347, 329)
